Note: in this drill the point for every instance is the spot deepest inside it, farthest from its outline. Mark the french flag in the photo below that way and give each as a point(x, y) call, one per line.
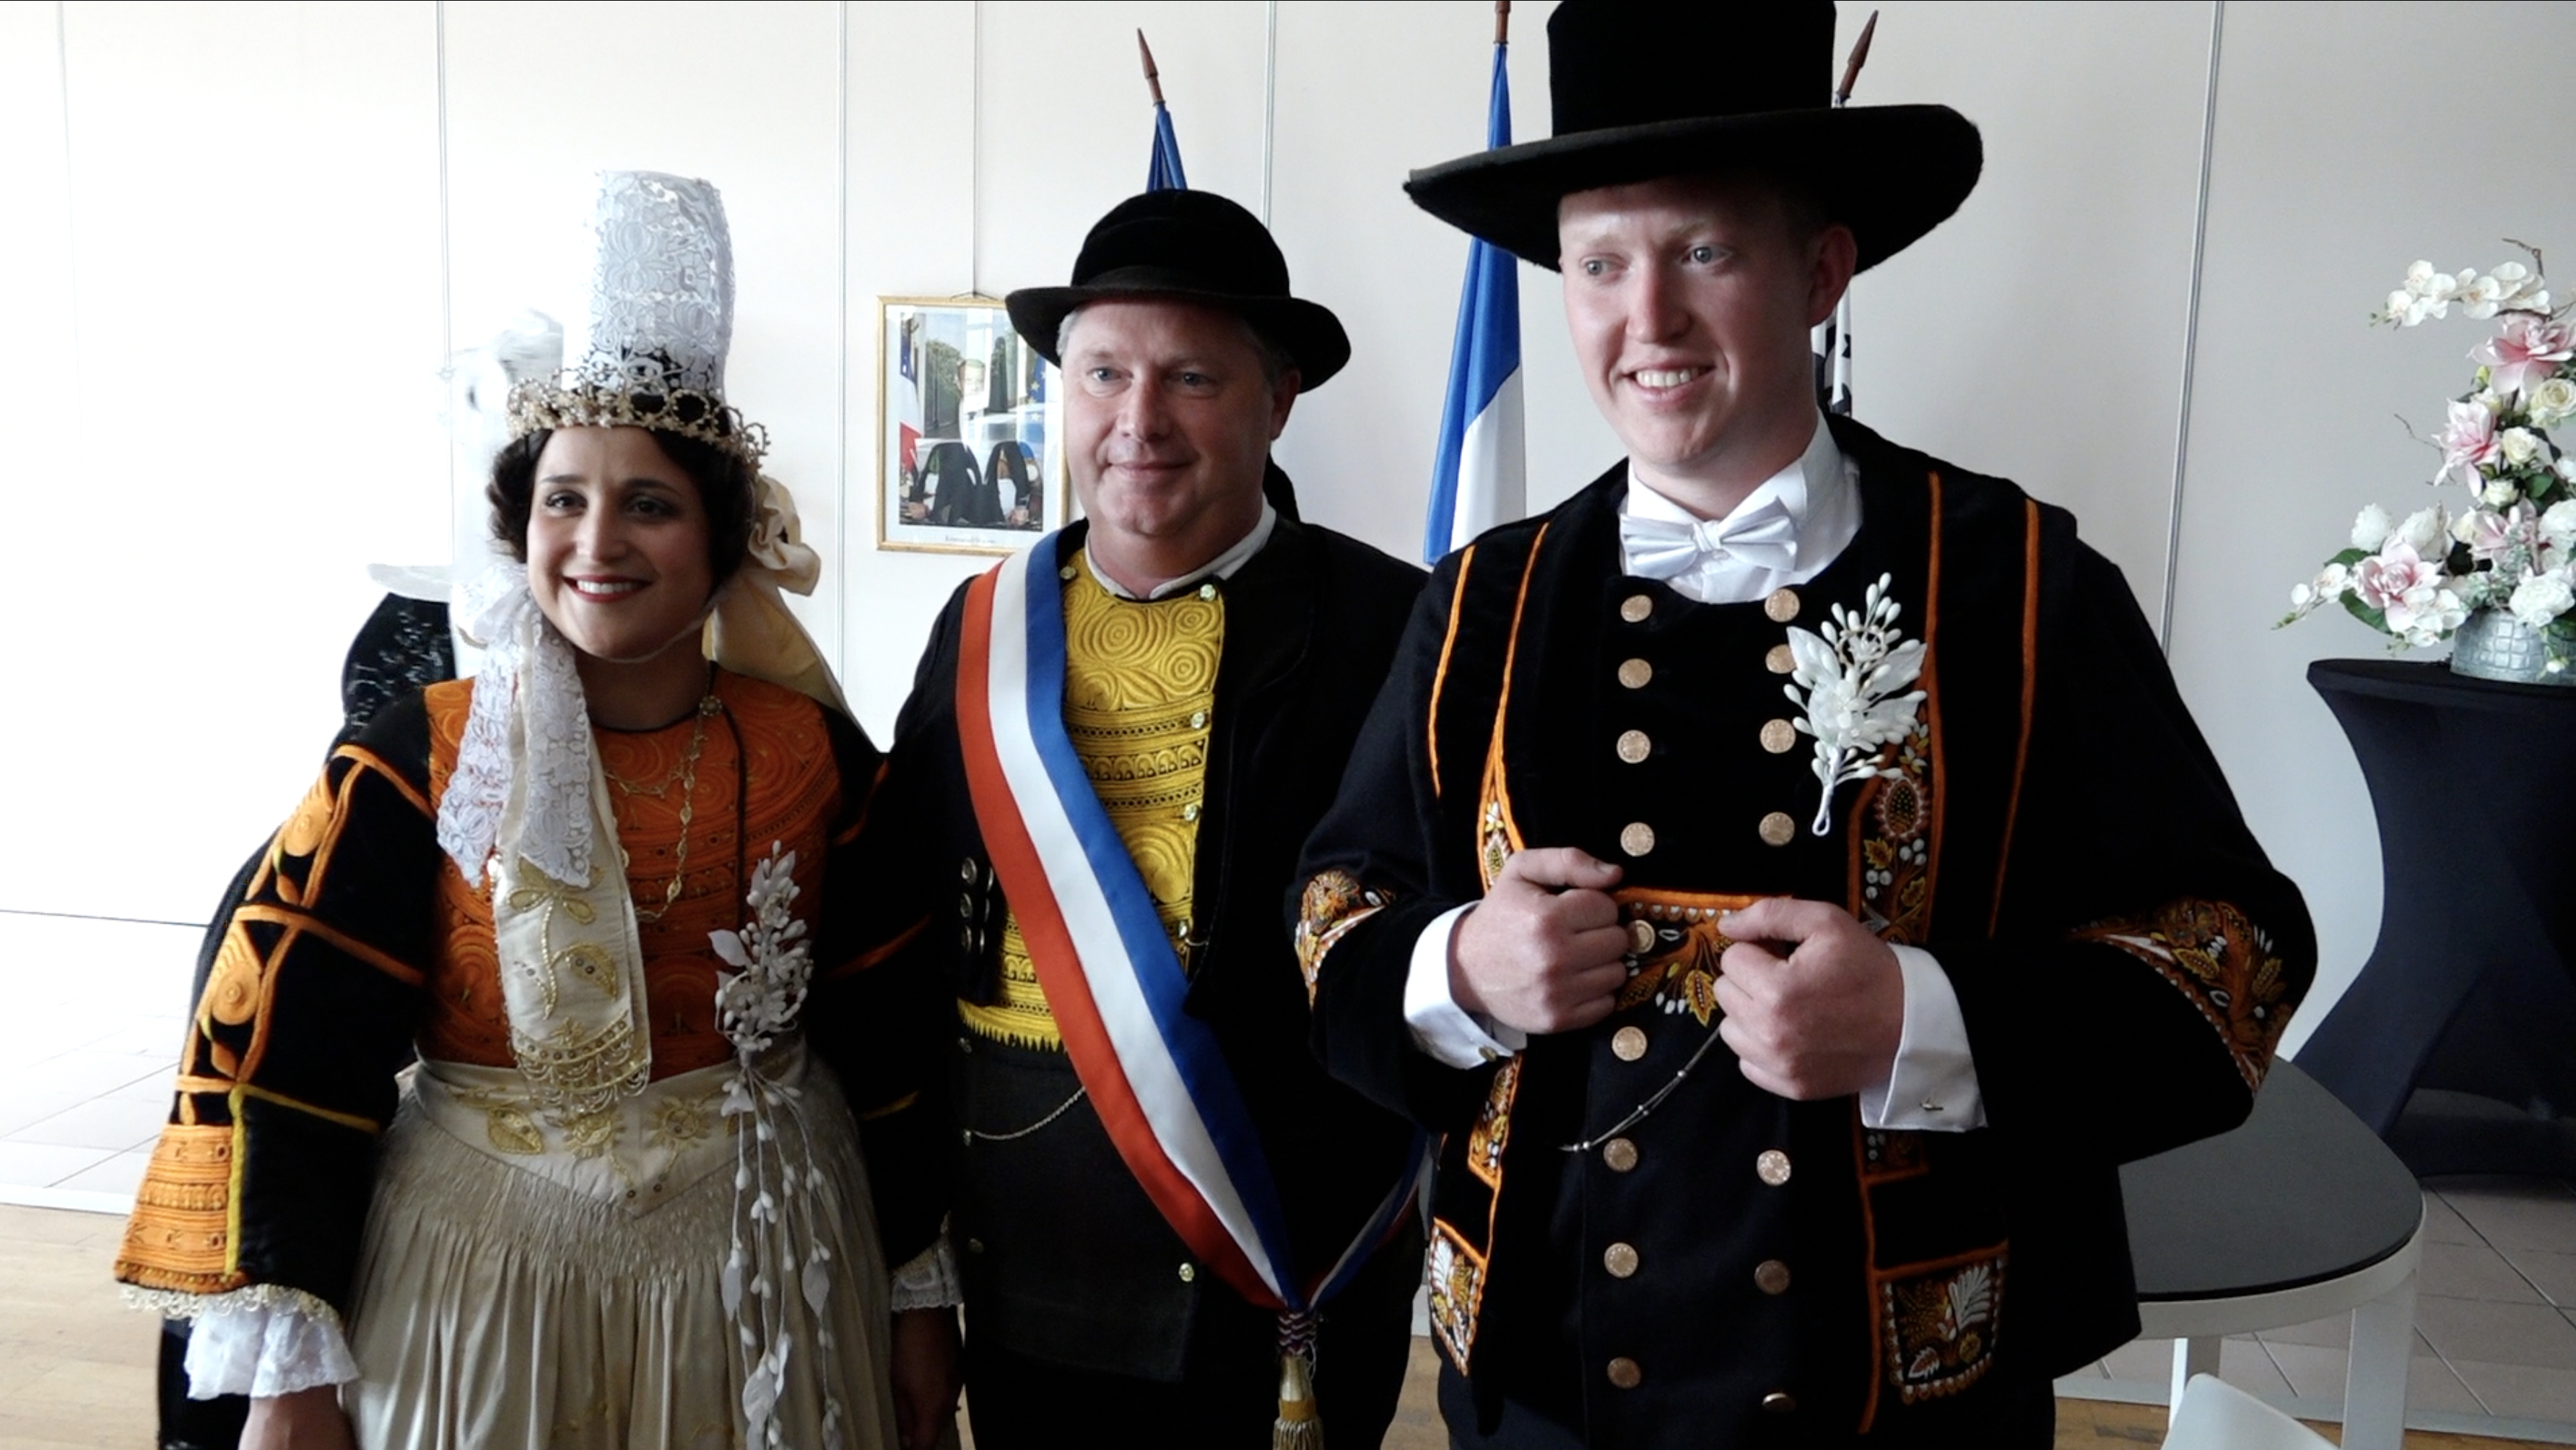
point(1479, 475)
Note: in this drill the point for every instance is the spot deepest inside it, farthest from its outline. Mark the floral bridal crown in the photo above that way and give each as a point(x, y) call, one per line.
point(2510, 545)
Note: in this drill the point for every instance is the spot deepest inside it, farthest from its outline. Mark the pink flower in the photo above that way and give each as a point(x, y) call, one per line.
point(2469, 443)
point(2525, 352)
point(2386, 579)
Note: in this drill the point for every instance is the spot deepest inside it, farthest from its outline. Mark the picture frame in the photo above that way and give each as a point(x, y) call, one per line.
point(970, 448)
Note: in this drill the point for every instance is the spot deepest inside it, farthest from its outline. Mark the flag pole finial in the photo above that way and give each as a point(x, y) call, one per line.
point(1502, 22)
point(1851, 68)
point(1153, 77)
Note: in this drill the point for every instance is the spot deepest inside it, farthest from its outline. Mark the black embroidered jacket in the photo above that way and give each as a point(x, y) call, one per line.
point(2054, 831)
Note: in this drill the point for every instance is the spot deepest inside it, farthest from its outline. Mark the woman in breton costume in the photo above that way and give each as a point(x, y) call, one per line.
point(617, 1203)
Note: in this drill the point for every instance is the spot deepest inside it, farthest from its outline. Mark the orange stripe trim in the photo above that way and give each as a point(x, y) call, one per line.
point(876, 954)
point(867, 803)
point(298, 924)
point(2029, 696)
point(1440, 677)
point(372, 761)
point(1494, 766)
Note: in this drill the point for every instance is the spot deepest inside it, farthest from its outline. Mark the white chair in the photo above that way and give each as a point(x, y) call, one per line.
point(2215, 1415)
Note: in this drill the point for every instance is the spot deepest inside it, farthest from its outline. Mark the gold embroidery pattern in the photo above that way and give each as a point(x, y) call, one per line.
point(2222, 962)
point(679, 1122)
point(1896, 843)
point(178, 1237)
point(1454, 1273)
point(1940, 1325)
point(1492, 1134)
point(1674, 947)
point(1139, 692)
point(1333, 903)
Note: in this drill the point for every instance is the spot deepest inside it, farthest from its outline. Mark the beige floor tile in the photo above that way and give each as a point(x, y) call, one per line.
point(2443, 1224)
point(53, 1227)
point(39, 1165)
point(2519, 1390)
point(2529, 1334)
point(2553, 1273)
point(2515, 1213)
point(102, 1122)
point(2475, 1271)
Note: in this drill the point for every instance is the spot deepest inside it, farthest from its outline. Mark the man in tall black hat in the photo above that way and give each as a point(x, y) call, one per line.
point(1785, 871)
point(1175, 1229)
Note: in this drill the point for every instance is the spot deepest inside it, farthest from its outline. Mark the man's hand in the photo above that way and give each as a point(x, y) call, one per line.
point(1542, 952)
point(925, 1376)
point(1822, 1021)
point(305, 1420)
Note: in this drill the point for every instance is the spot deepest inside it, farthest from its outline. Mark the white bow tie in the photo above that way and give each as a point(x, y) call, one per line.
point(1766, 538)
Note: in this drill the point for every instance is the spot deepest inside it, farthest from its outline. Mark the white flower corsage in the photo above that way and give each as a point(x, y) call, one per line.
point(1845, 687)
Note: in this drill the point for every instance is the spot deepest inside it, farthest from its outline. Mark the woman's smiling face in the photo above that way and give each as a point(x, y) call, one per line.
point(617, 544)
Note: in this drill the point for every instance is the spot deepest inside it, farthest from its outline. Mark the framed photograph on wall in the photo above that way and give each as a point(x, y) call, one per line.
point(970, 457)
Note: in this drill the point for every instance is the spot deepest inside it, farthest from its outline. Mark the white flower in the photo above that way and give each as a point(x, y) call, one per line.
point(2426, 615)
point(2326, 588)
point(2540, 599)
point(2370, 530)
point(2552, 403)
point(1845, 685)
point(2499, 493)
point(2558, 525)
point(2424, 530)
point(2520, 445)
point(2481, 296)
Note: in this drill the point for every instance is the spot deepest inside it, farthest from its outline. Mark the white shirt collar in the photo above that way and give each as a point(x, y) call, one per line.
point(1221, 567)
point(1817, 491)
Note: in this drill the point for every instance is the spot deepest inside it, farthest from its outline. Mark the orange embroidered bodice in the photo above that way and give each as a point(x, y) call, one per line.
point(784, 761)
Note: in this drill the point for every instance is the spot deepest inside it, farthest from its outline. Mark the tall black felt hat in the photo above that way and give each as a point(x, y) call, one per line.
point(1191, 246)
point(1648, 90)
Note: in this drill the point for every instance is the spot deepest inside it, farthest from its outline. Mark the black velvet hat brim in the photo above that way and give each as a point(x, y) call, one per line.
point(1890, 173)
point(1308, 332)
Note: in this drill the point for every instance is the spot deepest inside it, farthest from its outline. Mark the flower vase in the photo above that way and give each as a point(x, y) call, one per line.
point(2493, 645)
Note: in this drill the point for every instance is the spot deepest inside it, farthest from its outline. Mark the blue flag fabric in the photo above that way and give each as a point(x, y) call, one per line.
point(1477, 475)
point(1164, 173)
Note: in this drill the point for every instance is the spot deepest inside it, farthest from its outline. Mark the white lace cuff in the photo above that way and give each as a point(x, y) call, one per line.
point(930, 1280)
point(265, 1341)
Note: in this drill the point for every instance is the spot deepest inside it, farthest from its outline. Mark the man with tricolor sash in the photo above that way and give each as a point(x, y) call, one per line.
point(1785, 872)
point(1174, 1228)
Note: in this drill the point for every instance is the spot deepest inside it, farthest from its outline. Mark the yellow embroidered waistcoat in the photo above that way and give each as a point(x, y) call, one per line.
point(1139, 688)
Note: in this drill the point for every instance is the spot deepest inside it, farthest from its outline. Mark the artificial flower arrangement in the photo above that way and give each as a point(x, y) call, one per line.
point(2512, 546)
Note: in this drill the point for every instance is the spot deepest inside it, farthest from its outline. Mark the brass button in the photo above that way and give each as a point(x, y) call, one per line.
point(1198, 719)
point(1625, 1374)
point(1065, 573)
point(1778, 736)
point(1771, 1277)
point(1635, 608)
point(1190, 812)
point(1619, 1154)
point(1189, 1273)
point(1634, 746)
point(966, 905)
point(1207, 591)
point(1635, 673)
point(966, 871)
point(1637, 838)
point(1641, 937)
point(1628, 1043)
point(1772, 1167)
point(1780, 659)
point(1620, 1260)
point(1778, 829)
point(966, 939)
point(1782, 606)
point(1779, 1402)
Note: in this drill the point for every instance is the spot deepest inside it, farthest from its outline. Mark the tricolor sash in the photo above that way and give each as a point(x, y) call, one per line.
point(1155, 1074)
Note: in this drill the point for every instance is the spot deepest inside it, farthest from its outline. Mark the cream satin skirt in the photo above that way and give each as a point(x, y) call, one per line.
point(501, 1304)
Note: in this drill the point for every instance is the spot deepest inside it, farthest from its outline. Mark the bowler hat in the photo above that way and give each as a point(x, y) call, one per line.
point(1643, 91)
point(1188, 246)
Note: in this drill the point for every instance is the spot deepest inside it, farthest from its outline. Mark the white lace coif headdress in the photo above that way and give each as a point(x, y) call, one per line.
point(527, 793)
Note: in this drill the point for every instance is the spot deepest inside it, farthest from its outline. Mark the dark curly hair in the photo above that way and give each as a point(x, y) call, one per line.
point(728, 484)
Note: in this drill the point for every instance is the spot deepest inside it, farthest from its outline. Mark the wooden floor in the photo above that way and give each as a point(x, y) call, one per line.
point(76, 1364)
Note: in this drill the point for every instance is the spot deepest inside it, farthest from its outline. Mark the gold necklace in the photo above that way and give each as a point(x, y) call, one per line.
point(687, 778)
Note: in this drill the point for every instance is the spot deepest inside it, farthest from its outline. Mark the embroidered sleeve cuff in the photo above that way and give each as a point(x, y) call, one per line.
point(929, 1281)
point(263, 1343)
point(1933, 1086)
point(1446, 1032)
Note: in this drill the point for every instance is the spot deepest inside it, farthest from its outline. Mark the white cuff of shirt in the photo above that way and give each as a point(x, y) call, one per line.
point(929, 1281)
point(264, 1348)
point(1933, 1085)
point(1446, 1032)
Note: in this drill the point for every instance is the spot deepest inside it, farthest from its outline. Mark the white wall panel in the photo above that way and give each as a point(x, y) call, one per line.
point(252, 418)
point(2352, 139)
